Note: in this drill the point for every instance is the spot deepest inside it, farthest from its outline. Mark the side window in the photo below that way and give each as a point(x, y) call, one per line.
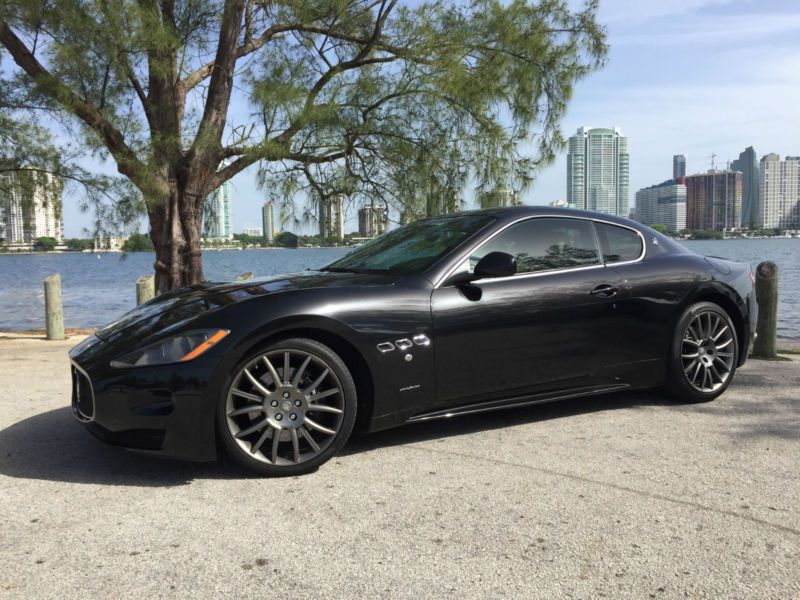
point(618, 243)
point(543, 244)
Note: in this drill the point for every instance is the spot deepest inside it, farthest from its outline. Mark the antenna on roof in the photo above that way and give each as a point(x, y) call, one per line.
point(713, 156)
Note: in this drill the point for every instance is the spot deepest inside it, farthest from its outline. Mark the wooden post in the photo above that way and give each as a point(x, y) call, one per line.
point(245, 276)
point(145, 289)
point(766, 344)
point(53, 314)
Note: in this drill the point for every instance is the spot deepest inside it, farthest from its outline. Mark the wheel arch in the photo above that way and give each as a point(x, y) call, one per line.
point(722, 298)
point(350, 355)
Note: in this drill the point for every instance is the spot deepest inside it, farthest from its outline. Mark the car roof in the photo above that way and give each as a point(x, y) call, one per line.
point(515, 212)
point(512, 213)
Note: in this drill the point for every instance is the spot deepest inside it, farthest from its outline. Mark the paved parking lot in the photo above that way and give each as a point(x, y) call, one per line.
point(620, 496)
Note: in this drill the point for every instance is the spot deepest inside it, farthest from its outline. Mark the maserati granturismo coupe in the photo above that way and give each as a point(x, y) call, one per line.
point(463, 313)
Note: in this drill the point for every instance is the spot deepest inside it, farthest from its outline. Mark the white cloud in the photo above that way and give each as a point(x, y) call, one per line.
point(632, 11)
point(733, 29)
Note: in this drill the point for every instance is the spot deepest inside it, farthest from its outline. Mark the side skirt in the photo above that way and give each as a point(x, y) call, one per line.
point(518, 401)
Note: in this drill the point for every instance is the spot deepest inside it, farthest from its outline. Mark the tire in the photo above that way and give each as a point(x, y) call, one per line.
point(703, 355)
point(310, 406)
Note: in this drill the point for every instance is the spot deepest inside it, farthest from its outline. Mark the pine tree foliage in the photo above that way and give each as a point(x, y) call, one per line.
point(382, 102)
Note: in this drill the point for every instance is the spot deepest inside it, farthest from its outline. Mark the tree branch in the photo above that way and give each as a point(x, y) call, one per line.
point(212, 124)
point(127, 162)
point(253, 156)
point(254, 44)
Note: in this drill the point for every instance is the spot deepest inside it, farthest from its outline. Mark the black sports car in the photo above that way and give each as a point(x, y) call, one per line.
point(456, 314)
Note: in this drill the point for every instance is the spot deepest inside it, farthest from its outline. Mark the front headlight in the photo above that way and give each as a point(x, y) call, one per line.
point(179, 348)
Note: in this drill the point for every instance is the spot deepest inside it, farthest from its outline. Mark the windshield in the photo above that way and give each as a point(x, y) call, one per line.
point(411, 249)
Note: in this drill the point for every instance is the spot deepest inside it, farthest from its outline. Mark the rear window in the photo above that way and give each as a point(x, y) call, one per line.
point(619, 244)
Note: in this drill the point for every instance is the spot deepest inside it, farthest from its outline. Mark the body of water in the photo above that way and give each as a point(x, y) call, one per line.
point(96, 291)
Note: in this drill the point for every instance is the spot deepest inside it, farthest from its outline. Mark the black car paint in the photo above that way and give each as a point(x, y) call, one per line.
point(495, 343)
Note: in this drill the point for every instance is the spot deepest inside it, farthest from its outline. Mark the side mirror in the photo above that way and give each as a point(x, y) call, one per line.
point(496, 264)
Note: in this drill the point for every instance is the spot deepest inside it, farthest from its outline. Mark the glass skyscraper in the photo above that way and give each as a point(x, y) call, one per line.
point(598, 170)
point(678, 166)
point(747, 163)
point(217, 217)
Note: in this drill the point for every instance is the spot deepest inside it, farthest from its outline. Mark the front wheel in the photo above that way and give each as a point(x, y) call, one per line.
point(288, 408)
point(704, 354)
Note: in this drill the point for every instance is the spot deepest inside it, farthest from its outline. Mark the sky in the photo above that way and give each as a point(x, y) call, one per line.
point(695, 77)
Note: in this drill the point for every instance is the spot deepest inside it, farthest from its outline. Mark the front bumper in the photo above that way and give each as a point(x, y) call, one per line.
point(167, 410)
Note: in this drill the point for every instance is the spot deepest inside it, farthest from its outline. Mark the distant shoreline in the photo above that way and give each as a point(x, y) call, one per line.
point(212, 249)
point(100, 252)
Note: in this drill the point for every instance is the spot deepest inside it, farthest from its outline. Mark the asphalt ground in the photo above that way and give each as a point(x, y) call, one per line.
point(623, 496)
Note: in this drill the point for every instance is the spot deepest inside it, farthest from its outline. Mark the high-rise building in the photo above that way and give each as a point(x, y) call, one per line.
point(780, 192)
point(747, 164)
point(663, 204)
point(371, 221)
point(253, 231)
point(678, 166)
point(217, 217)
point(714, 200)
point(501, 198)
point(32, 207)
point(598, 170)
point(331, 222)
point(268, 221)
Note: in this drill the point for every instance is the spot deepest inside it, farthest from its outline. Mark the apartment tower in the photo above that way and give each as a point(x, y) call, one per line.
point(780, 192)
point(32, 207)
point(598, 170)
point(268, 221)
point(714, 200)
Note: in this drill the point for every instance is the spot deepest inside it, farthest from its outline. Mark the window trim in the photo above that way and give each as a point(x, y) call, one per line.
point(464, 255)
point(622, 262)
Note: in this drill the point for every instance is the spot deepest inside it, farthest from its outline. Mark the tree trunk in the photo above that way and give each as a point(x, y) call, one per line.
point(175, 229)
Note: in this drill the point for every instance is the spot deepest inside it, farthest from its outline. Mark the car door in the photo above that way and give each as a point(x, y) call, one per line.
point(553, 325)
point(656, 287)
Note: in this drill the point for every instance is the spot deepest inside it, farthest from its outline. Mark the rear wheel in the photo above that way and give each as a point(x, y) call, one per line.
point(704, 353)
point(288, 408)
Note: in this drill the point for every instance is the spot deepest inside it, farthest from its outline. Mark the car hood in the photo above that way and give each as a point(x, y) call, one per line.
point(171, 310)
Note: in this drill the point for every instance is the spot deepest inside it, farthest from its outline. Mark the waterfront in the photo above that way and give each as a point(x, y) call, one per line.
point(96, 291)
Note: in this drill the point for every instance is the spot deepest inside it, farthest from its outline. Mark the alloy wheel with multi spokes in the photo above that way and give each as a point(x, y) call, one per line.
point(705, 353)
point(287, 405)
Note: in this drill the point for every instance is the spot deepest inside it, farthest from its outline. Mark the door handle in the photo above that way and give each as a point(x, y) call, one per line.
point(604, 290)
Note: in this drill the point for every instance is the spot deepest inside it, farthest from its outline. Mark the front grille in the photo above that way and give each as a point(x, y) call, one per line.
point(82, 395)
